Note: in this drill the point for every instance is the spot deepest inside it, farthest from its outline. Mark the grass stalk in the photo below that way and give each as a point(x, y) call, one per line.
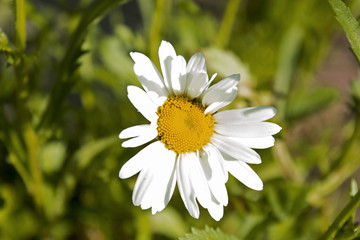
point(227, 24)
point(20, 25)
point(156, 26)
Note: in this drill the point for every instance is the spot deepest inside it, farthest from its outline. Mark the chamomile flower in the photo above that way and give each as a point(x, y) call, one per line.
point(189, 141)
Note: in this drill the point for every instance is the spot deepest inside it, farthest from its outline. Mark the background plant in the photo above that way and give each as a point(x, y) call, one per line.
point(64, 68)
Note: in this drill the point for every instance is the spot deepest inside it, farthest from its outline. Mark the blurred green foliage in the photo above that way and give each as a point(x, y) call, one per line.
point(64, 68)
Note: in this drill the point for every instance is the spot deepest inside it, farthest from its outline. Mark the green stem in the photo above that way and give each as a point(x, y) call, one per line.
point(283, 157)
point(17, 154)
point(20, 44)
point(21, 170)
point(20, 24)
point(346, 166)
point(143, 227)
point(227, 23)
point(32, 145)
point(342, 217)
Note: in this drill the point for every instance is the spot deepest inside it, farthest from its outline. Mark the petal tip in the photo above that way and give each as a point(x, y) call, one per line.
point(278, 129)
point(166, 46)
point(133, 55)
point(258, 187)
point(235, 77)
point(122, 175)
point(274, 110)
point(121, 135)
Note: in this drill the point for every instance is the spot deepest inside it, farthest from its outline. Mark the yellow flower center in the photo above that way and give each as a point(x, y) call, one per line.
point(183, 126)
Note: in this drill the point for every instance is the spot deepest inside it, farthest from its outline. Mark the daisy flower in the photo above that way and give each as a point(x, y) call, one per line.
point(191, 142)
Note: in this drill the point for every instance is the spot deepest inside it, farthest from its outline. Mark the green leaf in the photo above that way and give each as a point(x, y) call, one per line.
point(169, 223)
point(225, 63)
point(353, 188)
point(86, 153)
point(349, 24)
point(4, 43)
point(52, 156)
point(208, 233)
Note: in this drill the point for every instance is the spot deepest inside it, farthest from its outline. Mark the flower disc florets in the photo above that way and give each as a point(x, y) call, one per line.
point(183, 125)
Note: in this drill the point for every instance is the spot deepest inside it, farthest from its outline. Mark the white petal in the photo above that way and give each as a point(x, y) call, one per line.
point(210, 94)
point(258, 143)
point(207, 85)
point(220, 94)
point(149, 78)
point(216, 211)
point(252, 130)
point(223, 100)
point(196, 83)
point(133, 131)
point(198, 181)
point(178, 75)
point(162, 185)
point(142, 103)
point(183, 171)
point(213, 77)
point(215, 160)
point(148, 134)
point(142, 185)
point(244, 174)
point(235, 149)
point(166, 55)
point(212, 163)
point(196, 63)
point(139, 161)
point(245, 115)
point(155, 184)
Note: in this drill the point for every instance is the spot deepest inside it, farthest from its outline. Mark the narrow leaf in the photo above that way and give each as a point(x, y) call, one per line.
point(349, 24)
point(87, 152)
point(69, 64)
point(208, 233)
point(4, 44)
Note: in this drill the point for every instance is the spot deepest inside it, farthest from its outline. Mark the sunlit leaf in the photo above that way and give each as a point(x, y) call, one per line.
point(349, 24)
point(208, 233)
point(4, 44)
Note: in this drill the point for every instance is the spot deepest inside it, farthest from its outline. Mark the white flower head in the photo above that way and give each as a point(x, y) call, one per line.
point(190, 142)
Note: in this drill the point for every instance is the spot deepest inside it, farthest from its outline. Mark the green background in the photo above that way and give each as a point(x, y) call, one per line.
point(64, 68)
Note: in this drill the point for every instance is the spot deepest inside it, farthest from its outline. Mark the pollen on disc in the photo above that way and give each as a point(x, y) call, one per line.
point(183, 125)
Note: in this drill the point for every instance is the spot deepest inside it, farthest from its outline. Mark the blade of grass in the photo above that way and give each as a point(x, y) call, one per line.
point(349, 24)
point(69, 64)
point(289, 51)
point(156, 26)
point(224, 34)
